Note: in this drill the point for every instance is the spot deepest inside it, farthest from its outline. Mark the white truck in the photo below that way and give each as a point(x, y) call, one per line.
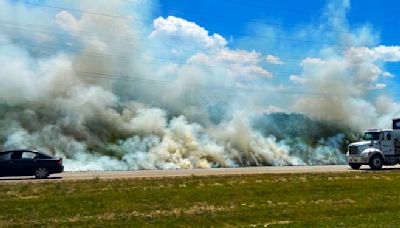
point(379, 147)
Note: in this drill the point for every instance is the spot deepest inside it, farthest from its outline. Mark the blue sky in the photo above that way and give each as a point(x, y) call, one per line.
point(242, 23)
point(228, 15)
point(235, 19)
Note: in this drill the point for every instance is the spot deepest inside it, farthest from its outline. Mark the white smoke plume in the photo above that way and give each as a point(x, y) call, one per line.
point(349, 79)
point(106, 92)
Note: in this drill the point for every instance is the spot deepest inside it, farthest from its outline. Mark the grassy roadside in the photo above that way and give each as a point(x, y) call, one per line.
point(346, 199)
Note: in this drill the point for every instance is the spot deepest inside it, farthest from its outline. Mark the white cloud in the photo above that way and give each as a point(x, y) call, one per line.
point(203, 51)
point(274, 60)
point(97, 45)
point(380, 53)
point(270, 109)
point(185, 31)
point(312, 61)
point(68, 22)
point(176, 52)
point(238, 62)
point(297, 79)
point(252, 70)
point(388, 75)
point(387, 53)
point(274, 109)
point(378, 86)
point(234, 56)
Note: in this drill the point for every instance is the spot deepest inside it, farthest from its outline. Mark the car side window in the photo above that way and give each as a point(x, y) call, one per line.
point(16, 155)
point(388, 137)
point(5, 157)
point(28, 155)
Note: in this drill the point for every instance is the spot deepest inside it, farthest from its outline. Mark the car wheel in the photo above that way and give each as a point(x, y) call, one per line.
point(355, 165)
point(41, 173)
point(376, 162)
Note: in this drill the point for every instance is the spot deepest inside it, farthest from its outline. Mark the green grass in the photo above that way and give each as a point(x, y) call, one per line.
point(369, 199)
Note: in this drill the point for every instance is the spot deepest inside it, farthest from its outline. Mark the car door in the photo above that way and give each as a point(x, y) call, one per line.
point(24, 163)
point(5, 164)
point(14, 169)
point(387, 144)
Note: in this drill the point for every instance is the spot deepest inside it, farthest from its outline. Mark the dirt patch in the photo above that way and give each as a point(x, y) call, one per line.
point(267, 224)
point(28, 197)
point(326, 202)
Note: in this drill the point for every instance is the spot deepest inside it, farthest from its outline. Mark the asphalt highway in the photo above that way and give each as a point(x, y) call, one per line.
point(107, 175)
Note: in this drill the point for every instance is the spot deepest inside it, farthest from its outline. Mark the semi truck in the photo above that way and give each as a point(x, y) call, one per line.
point(378, 148)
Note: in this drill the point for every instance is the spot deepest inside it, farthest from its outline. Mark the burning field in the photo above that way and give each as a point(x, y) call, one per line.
point(115, 93)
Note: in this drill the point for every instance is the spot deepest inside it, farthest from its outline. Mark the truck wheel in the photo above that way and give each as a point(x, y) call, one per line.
point(355, 166)
point(41, 173)
point(376, 162)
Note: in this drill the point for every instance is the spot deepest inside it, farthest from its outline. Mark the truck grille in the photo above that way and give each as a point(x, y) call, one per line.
point(353, 150)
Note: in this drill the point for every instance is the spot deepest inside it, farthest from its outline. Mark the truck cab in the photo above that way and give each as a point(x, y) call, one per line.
point(378, 147)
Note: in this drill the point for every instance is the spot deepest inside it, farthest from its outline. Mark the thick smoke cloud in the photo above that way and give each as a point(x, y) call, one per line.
point(117, 93)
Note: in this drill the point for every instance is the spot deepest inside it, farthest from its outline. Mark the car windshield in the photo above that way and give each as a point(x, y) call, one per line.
point(371, 136)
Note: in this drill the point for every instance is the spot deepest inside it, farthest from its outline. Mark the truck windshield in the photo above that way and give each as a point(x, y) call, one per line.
point(371, 136)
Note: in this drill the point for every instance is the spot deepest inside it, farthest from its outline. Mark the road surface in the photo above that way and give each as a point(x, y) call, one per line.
point(71, 176)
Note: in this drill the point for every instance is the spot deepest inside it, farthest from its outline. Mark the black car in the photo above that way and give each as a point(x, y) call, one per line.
point(29, 163)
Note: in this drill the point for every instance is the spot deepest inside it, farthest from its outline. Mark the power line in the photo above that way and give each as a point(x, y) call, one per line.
point(298, 12)
point(129, 78)
point(223, 31)
point(121, 56)
point(165, 60)
point(205, 86)
point(292, 57)
point(258, 21)
point(126, 58)
point(49, 30)
point(77, 11)
point(295, 58)
point(169, 83)
point(249, 5)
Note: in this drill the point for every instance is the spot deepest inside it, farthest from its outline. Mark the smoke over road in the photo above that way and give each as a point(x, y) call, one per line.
point(115, 93)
